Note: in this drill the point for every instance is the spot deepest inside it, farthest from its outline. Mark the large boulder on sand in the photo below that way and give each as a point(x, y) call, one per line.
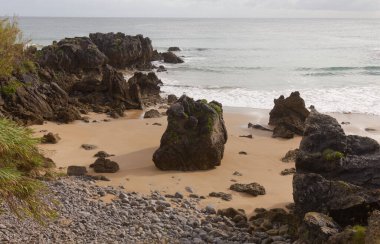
point(194, 138)
point(288, 116)
point(337, 175)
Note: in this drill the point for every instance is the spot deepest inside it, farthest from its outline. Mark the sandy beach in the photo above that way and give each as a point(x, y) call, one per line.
point(133, 141)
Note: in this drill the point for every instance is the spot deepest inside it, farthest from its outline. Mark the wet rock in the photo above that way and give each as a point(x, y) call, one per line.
point(147, 86)
point(51, 138)
point(247, 136)
point(170, 57)
point(369, 129)
point(243, 153)
point(76, 171)
point(290, 156)
point(161, 68)
point(194, 138)
point(253, 189)
point(236, 173)
point(222, 195)
point(100, 177)
point(88, 147)
point(153, 113)
point(104, 165)
point(174, 49)
point(288, 116)
point(317, 228)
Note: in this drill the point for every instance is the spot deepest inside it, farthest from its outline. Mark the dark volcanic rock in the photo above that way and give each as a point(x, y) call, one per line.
point(161, 68)
point(88, 147)
point(170, 57)
point(373, 230)
point(194, 138)
point(258, 127)
point(153, 113)
point(253, 189)
point(288, 116)
point(290, 156)
point(104, 165)
point(51, 138)
point(103, 154)
point(172, 99)
point(125, 51)
point(76, 171)
point(234, 214)
point(288, 171)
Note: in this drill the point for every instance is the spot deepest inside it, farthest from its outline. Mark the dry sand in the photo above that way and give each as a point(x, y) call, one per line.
point(133, 141)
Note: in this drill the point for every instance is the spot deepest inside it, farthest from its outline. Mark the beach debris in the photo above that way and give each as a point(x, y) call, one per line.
point(153, 113)
point(105, 165)
point(172, 99)
point(103, 154)
point(194, 138)
point(174, 49)
point(88, 147)
point(345, 123)
point(189, 189)
point(369, 129)
point(288, 116)
point(237, 216)
point(158, 124)
point(258, 127)
point(236, 173)
point(288, 171)
point(222, 195)
point(253, 189)
point(290, 156)
point(247, 136)
point(51, 138)
point(76, 170)
point(171, 58)
point(243, 153)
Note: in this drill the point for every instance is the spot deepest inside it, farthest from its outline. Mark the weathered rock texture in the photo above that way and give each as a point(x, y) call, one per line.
point(288, 116)
point(337, 175)
point(194, 138)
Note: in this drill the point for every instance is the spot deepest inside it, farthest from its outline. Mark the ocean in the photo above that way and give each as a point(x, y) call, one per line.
point(334, 63)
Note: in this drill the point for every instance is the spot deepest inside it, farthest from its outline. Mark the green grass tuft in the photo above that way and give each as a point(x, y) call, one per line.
point(359, 234)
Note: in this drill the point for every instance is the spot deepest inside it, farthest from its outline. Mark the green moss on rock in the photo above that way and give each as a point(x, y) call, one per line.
point(331, 155)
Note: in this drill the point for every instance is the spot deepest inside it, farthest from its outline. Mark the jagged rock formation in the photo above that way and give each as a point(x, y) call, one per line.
point(78, 74)
point(337, 175)
point(194, 138)
point(288, 116)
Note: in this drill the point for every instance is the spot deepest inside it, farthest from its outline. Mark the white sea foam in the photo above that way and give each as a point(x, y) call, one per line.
point(346, 99)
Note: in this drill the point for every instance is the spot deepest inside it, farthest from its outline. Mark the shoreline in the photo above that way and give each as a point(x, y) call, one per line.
point(133, 140)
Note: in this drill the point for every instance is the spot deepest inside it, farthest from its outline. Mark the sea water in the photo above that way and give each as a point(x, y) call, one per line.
point(334, 63)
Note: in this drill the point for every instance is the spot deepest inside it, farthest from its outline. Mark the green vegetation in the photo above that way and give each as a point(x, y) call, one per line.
point(216, 107)
point(11, 87)
point(331, 155)
point(13, 58)
point(359, 234)
point(21, 194)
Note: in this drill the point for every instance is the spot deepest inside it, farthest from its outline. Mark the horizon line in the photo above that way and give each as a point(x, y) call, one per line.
point(160, 17)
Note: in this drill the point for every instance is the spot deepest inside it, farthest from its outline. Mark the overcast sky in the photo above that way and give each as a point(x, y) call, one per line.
point(193, 8)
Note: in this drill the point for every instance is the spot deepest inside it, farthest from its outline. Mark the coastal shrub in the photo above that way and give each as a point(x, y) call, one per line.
point(19, 193)
point(331, 155)
point(11, 87)
point(12, 55)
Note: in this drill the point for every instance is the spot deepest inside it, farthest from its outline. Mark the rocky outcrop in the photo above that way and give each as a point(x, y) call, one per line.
point(153, 113)
point(194, 138)
point(253, 189)
point(76, 171)
point(105, 165)
point(76, 74)
point(51, 138)
point(125, 51)
point(337, 175)
point(145, 87)
point(174, 49)
point(170, 57)
point(288, 116)
point(373, 230)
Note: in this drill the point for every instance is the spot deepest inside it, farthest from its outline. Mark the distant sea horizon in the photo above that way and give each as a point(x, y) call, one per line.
point(334, 63)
